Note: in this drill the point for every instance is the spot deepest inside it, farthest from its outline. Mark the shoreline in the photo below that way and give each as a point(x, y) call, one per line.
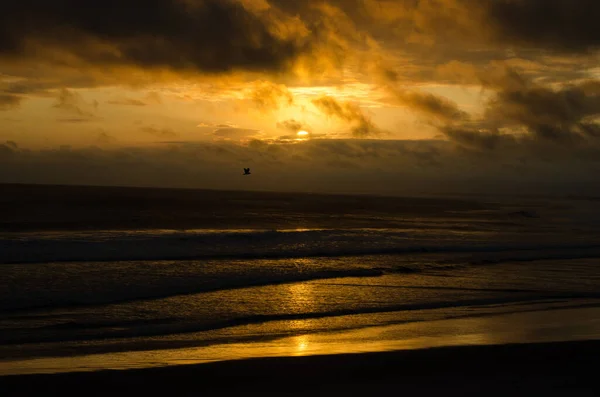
point(557, 368)
point(535, 325)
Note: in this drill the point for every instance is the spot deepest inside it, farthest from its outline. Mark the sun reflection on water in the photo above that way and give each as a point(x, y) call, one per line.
point(301, 345)
point(527, 327)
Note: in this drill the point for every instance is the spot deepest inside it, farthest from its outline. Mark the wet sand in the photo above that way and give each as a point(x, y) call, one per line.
point(561, 369)
point(535, 323)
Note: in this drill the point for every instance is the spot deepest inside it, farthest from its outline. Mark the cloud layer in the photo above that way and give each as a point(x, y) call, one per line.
point(206, 35)
point(361, 125)
point(352, 166)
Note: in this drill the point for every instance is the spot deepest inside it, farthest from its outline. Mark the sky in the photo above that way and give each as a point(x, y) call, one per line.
point(352, 96)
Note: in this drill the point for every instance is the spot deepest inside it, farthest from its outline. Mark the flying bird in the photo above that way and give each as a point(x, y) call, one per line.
point(246, 171)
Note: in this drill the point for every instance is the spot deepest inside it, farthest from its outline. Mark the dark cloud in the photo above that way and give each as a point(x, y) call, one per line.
point(291, 125)
point(269, 96)
point(532, 112)
point(9, 101)
point(159, 132)
point(322, 38)
point(414, 37)
point(206, 35)
point(8, 148)
point(429, 104)
point(26, 87)
point(358, 166)
point(475, 138)
point(127, 102)
point(227, 132)
point(554, 114)
point(362, 125)
point(103, 138)
point(542, 24)
point(70, 101)
point(153, 98)
point(5, 150)
point(74, 120)
point(554, 24)
point(523, 111)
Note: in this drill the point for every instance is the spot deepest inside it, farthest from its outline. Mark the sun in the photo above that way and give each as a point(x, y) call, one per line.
point(302, 133)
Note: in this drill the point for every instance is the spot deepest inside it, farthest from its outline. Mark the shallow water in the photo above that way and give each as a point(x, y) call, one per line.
point(533, 326)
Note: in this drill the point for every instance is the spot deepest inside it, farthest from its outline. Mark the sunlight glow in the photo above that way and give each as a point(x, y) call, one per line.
point(302, 133)
point(301, 345)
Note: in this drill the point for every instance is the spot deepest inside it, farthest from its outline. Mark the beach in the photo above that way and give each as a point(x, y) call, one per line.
point(551, 353)
point(551, 369)
point(185, 292)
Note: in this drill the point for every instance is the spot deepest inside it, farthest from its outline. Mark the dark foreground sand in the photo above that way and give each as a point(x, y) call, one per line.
point(548, 369)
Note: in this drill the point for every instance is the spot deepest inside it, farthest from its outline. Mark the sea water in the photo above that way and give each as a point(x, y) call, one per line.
point(75, 291)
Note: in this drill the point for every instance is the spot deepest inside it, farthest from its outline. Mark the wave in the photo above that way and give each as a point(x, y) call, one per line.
point(173, 326)
point(180, 278)
point(225, 283)
point(297, 256)
point(255, 244)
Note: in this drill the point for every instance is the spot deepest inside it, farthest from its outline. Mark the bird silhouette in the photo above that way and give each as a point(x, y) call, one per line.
point(246, 171)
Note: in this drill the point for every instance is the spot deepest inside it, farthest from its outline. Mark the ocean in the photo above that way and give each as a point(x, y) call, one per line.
point(94, 271)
